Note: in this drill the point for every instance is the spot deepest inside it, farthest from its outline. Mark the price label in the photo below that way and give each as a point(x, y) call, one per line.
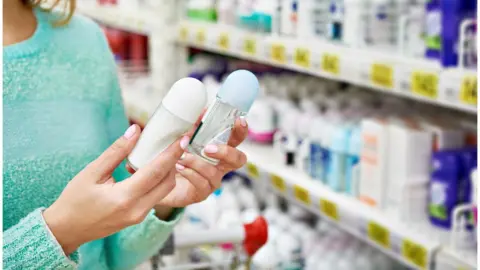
point(378, 234)
point(468, 90)
point(329, 209)
point(250, 46)
point(414, 253)
point(331, 63)
point(277, 52)
point(183, 34)
point(301, 194)
point(278, 183)
point(252, 171)
point(302, 57)
point(382, 75)
point(425, 84)
point(201, 36)
point(224, 41)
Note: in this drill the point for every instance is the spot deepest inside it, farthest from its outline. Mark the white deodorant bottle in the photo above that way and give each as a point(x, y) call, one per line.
point(178, 111)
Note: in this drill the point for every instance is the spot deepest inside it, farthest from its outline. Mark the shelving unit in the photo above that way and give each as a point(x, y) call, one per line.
point(416, 79)
point(414, 245)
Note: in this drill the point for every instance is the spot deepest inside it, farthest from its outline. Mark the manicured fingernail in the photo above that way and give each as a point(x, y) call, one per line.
point(243, 122)
point(179, 167)
point(184, 142)
point(211, 148)
point(130, 132)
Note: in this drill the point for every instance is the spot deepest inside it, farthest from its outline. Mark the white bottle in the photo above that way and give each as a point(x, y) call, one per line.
point(176, 114)
point(354, 22)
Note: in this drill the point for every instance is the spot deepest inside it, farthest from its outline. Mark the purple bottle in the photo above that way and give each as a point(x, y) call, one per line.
point(444, 187)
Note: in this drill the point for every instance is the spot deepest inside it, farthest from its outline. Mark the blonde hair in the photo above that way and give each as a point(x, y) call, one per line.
point(67, 6)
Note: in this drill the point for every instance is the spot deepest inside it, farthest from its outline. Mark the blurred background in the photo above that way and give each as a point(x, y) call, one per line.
point(362, 148)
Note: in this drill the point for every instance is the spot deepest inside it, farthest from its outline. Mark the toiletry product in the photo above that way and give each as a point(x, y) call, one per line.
point(262, 121)
point(444, 187)
point(373, 161)
point(234, 100)
point(352, 169)
point(356, 12)
point(289, 17)
point(409, 156)
point(336, 19)
point(177, 113)
point(473, 194)
point(433, 29)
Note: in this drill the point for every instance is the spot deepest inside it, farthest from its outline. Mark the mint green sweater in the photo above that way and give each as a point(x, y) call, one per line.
point(61, 109)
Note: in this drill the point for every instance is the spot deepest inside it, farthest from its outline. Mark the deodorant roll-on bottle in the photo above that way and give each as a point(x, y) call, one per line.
point(178, 111)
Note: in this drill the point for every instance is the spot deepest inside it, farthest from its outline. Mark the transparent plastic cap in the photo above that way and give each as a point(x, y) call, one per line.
point(239, 90)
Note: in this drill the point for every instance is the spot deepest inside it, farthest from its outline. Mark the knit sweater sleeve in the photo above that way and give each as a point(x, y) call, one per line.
point(30, 245)
point(138, 243)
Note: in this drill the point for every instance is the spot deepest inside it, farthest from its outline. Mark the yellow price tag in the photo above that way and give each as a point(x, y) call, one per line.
point(414, 253)
point(277, 53)
point(329, 209)
point(252, 171)
point(382, 75)
point(224, 41)
point(278, 183)
point(201, 36)
point(302, 57)
point(425, 84)
point(378, 234)
point(183, 33)
point(468, 90)
point(301, 194)
point(250, 46)
point(331, 63)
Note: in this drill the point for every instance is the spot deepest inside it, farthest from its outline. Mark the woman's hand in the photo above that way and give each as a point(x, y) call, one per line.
point(94, 206)
point(197, 179)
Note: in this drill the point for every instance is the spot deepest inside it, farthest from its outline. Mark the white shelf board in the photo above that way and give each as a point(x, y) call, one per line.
point(138, 20)
point(347, 212)
point(335, 61)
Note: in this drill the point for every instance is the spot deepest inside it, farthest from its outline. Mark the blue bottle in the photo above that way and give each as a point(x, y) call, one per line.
point(453, 12)
point(444, 187)
point(352, 172)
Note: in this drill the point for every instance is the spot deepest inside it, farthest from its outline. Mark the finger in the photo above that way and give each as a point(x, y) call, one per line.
point(203, 186)
point(159, 192)
point(227, 155)
point(154, 172)
point(205, 169)
point(116, 153)
point(239, 132)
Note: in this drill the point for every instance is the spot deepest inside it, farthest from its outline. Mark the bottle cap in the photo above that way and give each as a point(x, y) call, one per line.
point(239, 90)
point(186, 99)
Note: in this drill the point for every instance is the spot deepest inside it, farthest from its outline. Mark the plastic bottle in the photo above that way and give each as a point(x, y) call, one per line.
point(356, 12)
point(226, 11)
point(176, 114)
point(234, 100)
point(433, 29)
point(262, 120)
point(382, 23)
point(336, 19)
point(444, 187)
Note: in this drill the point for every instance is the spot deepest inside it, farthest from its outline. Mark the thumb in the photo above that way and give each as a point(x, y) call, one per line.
point(109, 160)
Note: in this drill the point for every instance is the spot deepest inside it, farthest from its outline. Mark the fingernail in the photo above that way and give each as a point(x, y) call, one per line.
point(130, 132)
point(211, 148)
point(184, 142)
point(179, 167)
point(243, 122)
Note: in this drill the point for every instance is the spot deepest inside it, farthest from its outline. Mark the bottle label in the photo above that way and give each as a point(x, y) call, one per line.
point(222, 137)
point(438, 200)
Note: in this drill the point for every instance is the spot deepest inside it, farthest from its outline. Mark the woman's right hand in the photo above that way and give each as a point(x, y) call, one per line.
point(94, 206)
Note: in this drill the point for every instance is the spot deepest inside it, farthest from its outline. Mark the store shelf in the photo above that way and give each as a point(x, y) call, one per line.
point(404, 242)
point(138, 21)
point(415, 245)
point(387, 72)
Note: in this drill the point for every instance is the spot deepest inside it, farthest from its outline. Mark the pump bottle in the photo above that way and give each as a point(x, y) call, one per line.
point(177, 113)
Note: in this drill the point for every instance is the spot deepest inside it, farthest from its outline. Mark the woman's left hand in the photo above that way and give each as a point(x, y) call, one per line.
point(197, 179)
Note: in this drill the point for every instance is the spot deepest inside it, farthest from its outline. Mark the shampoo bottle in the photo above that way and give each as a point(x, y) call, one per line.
point(178, 111)
point(234, 100)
